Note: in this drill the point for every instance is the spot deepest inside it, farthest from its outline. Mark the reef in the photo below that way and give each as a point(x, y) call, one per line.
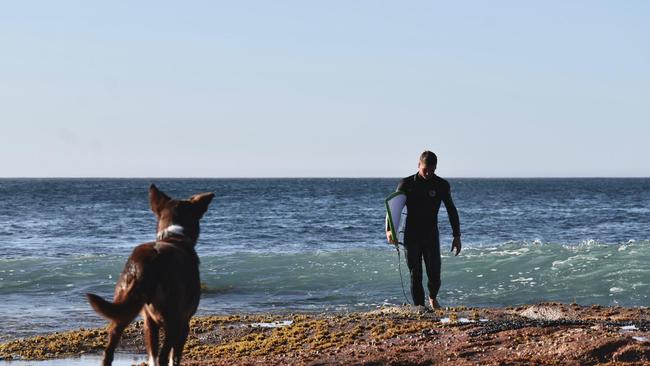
point(540, 334)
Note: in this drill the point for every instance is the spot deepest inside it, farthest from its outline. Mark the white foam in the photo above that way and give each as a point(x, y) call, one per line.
point(522, 279)
point(508, 253)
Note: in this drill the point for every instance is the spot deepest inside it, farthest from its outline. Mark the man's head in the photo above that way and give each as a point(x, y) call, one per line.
point(427, 165)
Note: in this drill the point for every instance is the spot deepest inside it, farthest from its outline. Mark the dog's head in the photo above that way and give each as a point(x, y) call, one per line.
point(179, 218)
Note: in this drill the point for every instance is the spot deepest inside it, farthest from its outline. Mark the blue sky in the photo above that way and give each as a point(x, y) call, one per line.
point(335, 88)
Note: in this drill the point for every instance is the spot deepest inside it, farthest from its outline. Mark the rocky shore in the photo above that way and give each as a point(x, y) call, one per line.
point(541, 334)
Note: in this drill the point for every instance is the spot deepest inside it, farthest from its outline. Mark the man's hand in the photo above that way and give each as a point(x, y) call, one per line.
point(456, 244)
point(389, 237)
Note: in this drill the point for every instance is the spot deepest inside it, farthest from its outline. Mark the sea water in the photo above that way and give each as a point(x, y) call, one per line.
point(318, 245)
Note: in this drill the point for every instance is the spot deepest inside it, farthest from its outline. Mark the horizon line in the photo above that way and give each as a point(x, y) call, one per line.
point(323, 177)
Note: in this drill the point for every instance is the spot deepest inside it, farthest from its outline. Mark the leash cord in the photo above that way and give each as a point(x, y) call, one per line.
point(399, 266)
point(401, 279)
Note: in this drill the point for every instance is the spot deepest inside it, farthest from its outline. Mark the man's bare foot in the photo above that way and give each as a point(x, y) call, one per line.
point(434, 303)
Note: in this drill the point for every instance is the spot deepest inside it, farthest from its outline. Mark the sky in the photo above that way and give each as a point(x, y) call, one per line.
point(324, 88)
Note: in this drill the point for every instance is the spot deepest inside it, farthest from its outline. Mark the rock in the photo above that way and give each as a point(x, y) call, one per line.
point(544, 312)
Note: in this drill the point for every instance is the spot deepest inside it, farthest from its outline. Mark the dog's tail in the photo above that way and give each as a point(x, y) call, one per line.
point(120, 312)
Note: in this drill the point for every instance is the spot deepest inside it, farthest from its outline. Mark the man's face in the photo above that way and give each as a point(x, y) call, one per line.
point(426, 171)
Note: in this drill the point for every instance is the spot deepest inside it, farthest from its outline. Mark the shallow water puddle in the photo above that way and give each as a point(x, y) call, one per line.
point(120, 360)
point(278, 324)
point(629, 328)
point(461, 320)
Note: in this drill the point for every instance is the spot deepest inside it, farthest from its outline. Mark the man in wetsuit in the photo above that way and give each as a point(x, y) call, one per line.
point(424, 193)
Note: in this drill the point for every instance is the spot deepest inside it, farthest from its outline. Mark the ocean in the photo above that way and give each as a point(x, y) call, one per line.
point(318, 245)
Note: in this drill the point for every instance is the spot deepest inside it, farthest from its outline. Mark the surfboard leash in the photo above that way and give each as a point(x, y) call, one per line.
point(399, 268)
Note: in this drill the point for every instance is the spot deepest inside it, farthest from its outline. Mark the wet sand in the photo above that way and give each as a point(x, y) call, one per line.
point(541, 334)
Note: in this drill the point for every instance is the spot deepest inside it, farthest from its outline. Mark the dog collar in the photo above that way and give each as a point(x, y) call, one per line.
point(171, 231)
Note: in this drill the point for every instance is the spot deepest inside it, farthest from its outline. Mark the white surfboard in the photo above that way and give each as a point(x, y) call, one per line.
point(395, 204)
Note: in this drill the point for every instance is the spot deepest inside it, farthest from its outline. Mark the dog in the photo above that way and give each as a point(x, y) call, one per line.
point(160, 281)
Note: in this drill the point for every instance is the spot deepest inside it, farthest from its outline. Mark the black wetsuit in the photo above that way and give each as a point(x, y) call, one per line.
point(421, 237)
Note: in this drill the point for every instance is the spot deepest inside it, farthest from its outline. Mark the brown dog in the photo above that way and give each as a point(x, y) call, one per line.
point(160, 280)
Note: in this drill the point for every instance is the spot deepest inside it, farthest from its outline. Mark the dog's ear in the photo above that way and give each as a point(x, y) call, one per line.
point(157, 199)
point(201, 201)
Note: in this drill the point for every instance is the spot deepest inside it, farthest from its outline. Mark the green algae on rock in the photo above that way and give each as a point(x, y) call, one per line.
point(405, 335)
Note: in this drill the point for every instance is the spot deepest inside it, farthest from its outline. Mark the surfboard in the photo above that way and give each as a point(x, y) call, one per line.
point(395, 204)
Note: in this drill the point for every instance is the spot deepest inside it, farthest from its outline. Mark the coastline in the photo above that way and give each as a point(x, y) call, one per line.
point(545, 334)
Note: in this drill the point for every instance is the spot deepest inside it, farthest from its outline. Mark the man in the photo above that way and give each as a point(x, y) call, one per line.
point(424, 193)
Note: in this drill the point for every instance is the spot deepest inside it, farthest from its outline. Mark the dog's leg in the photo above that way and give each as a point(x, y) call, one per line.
point(177, 350)
point(151, 339)
point(171, 337)
point(114, 334)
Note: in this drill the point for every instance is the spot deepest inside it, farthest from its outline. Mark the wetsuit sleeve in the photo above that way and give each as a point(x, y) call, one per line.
point(452, 213)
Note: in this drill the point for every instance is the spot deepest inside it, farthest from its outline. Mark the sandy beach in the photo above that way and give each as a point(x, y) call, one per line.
point(540, 334)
